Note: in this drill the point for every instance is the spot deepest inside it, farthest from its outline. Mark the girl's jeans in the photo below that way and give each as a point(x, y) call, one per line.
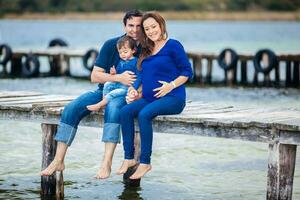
point(76, 110)
point(113, 90)
point(145, 111)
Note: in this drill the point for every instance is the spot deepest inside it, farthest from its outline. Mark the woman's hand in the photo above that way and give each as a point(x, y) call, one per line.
point(164, 89)
point(132, 95)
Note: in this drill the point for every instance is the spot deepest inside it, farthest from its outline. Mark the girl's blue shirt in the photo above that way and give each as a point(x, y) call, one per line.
point(167, 64)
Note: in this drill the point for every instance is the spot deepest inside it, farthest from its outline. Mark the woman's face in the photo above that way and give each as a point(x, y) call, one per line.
point(152, 29)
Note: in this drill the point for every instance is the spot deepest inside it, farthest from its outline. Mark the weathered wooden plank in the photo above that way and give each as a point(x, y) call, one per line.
point(44, 99)
point(5, 94)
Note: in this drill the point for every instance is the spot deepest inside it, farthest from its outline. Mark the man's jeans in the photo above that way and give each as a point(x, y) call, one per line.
point(76, 110)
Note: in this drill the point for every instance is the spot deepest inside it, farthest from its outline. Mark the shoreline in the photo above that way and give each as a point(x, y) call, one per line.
point(169, 15)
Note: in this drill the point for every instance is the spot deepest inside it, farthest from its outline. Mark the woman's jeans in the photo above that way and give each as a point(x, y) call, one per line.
point(76, 110)
point(145, 111)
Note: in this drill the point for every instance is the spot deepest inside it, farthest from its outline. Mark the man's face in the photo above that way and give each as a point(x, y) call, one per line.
point(133, 27)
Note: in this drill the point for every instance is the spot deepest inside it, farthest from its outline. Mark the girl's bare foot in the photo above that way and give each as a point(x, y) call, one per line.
point(141, 171)
point(53, 167)
point(125, 165)
point(104, 171)
point(97, 106)
point(94, 107)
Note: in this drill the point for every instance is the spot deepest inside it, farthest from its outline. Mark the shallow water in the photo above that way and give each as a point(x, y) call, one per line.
point(184, 167)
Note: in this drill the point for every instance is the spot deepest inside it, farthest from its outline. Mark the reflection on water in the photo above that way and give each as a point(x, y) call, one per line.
point(130, 192)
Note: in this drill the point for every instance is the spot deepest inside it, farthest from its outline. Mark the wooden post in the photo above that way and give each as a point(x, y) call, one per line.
point(16, 66)
point(4, 71)
point(54, 62)
point(209, 70)
point(244, 80)
point(288, 78)
point(50, 185)
point(296, 74)
point(281, 169)
point(277, 74)
point(131, 170)
point(197, 66)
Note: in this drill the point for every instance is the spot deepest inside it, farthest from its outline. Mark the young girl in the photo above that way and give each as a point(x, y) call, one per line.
point(164, 70)
point(126, 47)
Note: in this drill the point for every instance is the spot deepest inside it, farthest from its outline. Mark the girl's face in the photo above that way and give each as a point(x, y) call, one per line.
point(152, 29)
point(125, 52)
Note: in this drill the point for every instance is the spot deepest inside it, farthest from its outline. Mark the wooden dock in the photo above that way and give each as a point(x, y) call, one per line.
point(280, 128)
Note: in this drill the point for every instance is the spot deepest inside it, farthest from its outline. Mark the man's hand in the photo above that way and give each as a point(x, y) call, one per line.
point(113, 70)
point(126, 78)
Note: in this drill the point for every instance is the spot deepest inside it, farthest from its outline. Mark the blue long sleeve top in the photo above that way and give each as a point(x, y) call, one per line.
point(130, 65)
point(167, 64)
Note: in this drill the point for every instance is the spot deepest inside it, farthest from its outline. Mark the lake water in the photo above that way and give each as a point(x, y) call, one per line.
point(184, 167)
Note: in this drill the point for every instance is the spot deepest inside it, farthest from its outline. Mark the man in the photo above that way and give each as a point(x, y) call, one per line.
point(76, 110)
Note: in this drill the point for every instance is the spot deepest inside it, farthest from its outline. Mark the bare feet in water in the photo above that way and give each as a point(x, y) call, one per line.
point(125, 165)
point(141, 171)
point(104, 171)
point(53, 167)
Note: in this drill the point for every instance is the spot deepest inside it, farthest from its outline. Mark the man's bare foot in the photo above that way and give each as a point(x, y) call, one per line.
point(141, 171)
point(53, 167)
point(125, 165)
point(104, 171)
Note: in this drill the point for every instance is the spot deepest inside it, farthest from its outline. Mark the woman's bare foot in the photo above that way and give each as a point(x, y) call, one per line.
point(141, 171)
point(53, 167)
point(104, 171)
point(125, 165)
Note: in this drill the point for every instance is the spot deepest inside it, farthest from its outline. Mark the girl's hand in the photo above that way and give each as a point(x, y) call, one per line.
point(164, 89)
point(113, 70)
point(132, 95)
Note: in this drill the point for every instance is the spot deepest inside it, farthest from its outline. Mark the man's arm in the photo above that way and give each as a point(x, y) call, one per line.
point(98, 75)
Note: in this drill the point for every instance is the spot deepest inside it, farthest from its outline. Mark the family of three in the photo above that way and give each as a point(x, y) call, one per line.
point(141, 75)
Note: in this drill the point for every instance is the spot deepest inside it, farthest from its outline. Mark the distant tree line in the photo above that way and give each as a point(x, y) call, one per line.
point(58, 6)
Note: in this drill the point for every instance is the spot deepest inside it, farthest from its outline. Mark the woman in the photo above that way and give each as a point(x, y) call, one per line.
point(164, 69)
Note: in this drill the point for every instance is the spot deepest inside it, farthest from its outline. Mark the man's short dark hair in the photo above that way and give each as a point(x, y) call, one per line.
point(130, 14)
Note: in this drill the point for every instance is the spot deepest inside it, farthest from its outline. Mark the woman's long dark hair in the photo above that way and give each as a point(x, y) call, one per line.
point(146, 43)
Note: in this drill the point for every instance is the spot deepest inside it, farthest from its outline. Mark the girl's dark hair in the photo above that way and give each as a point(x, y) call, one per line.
point(146, 43)
point(126, 40)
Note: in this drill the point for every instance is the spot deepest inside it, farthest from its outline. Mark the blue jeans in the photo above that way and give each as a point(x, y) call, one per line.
point(145, 111)
point(113, 90)
point(76, 110)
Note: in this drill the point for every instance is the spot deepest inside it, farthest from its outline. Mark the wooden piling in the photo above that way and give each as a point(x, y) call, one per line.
point(288, 75)
point(296, 73)
point(16, 66)
point(197, 66)
point(209, 70)
point(244, 78)
point(50, 185)
point(281, 167)
point(59, 65)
